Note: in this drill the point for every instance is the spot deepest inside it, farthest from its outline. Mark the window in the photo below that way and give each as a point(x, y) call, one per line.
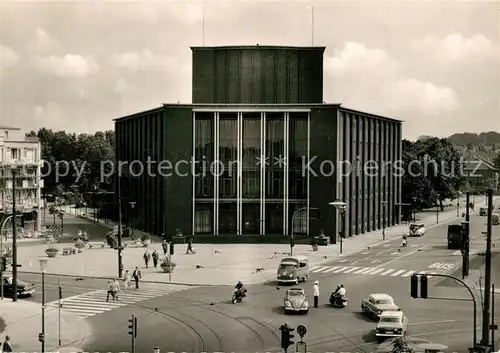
point(203, 187)
point(203, 221)
point(251, 184)
point(15, 153)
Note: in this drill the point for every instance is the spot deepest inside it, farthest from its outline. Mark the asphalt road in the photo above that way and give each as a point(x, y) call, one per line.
point(203, 319)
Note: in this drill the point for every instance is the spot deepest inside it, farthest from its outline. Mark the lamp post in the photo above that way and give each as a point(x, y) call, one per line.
point(414, 209)
point(94, 189)
point(384, 207)
point(43, 266)
point(14, 237)
point(458, 203)
point(437, 207)
point(340, 206)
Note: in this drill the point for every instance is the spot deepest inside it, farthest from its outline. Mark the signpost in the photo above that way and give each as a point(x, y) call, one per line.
point(301, 346)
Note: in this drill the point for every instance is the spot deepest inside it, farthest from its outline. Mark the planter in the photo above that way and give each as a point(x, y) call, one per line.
point(51, 253)
point(168, 269)
point(146, 242)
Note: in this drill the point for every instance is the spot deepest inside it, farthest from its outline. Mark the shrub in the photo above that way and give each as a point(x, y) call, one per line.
point(164, 262)
point(52, 248)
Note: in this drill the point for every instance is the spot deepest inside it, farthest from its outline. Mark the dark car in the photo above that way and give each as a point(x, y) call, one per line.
point(24, 289)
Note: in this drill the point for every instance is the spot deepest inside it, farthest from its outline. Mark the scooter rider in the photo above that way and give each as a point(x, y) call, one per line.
point(238, 286)
point(340, 292)
point(239, 290)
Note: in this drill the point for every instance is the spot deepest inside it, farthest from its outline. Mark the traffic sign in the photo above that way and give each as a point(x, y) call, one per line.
point(301, 347)
point(301, 330)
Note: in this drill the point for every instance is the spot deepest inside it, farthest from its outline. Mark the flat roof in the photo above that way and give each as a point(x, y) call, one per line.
point(256, 46)
point(236, 106)
point(10, 128)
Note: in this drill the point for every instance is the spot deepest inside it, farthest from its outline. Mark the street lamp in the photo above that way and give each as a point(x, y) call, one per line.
point(414, 209)
point(340, 206)
point(132, 212)
point(43, 267)
point(437, 207)
point(14, 235)
point(458, 203)
point(384, 206)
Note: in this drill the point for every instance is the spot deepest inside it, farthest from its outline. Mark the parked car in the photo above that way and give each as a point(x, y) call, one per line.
point(391, 324)
point(24, 289)
point(377, 303)
point(296, 301)
point(417, 230)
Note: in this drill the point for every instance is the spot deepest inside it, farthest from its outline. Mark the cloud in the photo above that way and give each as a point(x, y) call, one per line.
point(455, 47)
point(142, 60)
point(371, 78)
point(43, 42)
point(68, 66)
point(121, 85)
point(190, 14)
point(8, 56)
point(50, 110)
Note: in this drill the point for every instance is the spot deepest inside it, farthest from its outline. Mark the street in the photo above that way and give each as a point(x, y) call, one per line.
point(203, 319)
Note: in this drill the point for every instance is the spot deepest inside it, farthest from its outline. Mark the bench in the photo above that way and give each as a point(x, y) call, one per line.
point(97, 245)
point(69, 251)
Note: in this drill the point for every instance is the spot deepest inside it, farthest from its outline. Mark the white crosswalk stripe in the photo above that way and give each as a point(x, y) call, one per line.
point(93, 303)
point(369, 271)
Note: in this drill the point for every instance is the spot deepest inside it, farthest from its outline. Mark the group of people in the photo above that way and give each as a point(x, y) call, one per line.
point(340, 292)
point(114, 285)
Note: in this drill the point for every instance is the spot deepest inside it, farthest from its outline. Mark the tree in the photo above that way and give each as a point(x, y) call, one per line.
point(496, 161)
point(400, 345)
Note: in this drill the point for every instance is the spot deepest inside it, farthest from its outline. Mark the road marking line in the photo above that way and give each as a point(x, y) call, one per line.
point(331, 269)
point(408, 274)
point(387, 272)
point(83, 310)
point(400, 257)
point(320, 268)
point(367, 271)
point(414, 245)
point(340, 269)
point(397, 273)
point(376, 271)
point(351, 269)
point(380, 253)
point(363, 269)
point(374, 261)
point(344, 260)
point(387, 245)
point(315, 268)
point(395, 253)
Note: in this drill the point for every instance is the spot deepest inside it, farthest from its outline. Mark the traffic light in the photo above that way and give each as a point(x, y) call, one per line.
point(171, 248)
point(414, 286)
point(290, 336)
point(40, 337)
point(132, 326)
point(423, 286)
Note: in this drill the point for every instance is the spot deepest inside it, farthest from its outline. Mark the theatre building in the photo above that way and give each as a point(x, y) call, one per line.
point(258, 153)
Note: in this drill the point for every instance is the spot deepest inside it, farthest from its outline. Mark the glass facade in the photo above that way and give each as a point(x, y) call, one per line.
point(257, 185)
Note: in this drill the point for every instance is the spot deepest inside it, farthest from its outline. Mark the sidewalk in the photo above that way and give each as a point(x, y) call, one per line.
point(23, 319)
point(213, 264)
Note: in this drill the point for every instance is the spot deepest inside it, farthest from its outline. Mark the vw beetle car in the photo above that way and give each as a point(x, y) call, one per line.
point(296, 301)
point(391, 324)
point(377, 303)
point(24, 289)
point(417, 230)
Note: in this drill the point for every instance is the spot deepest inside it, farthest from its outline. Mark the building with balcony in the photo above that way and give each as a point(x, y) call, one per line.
point(22, 154)
point(258, 152)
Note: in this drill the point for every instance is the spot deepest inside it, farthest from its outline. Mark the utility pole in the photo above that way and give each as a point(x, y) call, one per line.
point(487, 275)
point(14, 238)
point(467, 196)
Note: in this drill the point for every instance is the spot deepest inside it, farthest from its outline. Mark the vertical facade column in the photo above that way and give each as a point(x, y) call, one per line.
point(285, 171)
point(308, 174)
point(193, 177)
point(400, 177)
point(262, 219)
point(216, 171)
point(239, 164)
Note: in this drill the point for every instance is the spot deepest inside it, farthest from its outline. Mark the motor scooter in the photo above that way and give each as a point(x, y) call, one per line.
point(337, 302)
point(238, 295)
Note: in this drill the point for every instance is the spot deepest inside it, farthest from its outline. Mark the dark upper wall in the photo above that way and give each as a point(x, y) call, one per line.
point(258, 75)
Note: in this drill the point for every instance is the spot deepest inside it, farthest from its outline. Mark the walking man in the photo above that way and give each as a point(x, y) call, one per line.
point(126, 280)
point(316, 293)
point(7, 347)
point(115, 288)
point(137, 276)
point(164, 246)
point(110, 290)
point(155, 256)
point(189, 249)
point(147, 257)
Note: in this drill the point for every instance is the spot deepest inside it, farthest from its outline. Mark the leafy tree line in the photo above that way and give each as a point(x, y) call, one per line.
point(432, 171)
point(469, 139)
point(83, 154)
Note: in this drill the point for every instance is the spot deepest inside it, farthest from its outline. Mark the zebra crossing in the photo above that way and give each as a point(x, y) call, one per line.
point(371, 271)
point(92, 303)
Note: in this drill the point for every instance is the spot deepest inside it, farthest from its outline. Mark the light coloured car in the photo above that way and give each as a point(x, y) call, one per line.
point(391, 324)
point(377, 303)
point(296, 301)
point(417, 230)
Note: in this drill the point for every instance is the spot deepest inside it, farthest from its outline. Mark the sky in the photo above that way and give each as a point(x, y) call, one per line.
point(76, 66)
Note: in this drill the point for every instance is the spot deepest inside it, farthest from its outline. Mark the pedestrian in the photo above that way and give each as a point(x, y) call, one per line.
point(155, 256)
point(147, 257)
point(110, 290)
point(7, 347)
point(126, 280)
point(164, 246)
point(136, 275)
point(316, 293)
point(189, 249)
point(115, 288)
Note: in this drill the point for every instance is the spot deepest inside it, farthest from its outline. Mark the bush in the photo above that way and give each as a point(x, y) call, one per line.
point(145, 237)
point(164, 262)
point(51, 248)
point(81, 236)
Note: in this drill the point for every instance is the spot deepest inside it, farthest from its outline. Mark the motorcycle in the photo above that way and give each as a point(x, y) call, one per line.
point(337, 302)
point(238, 295)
